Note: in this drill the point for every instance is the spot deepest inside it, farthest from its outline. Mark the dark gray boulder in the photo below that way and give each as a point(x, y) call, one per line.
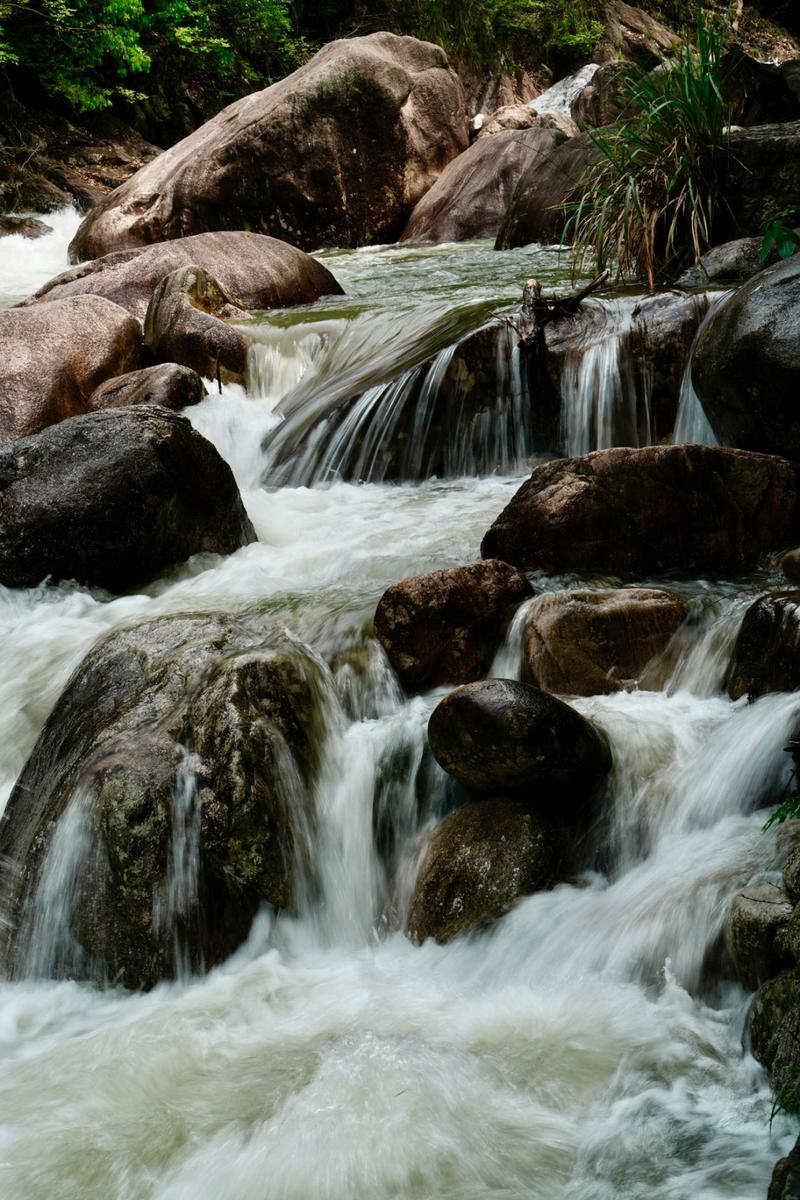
point(480, 860)
point(500, 736)
point(746, 366)
point(766, 656)
point(635, 513)
point(732, 262)
point(173, 777)
point(112, 498)
point(166, 384)
point(338, 153)
point(444, 627)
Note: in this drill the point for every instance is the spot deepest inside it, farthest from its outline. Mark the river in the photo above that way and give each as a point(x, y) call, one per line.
point(581, 1048)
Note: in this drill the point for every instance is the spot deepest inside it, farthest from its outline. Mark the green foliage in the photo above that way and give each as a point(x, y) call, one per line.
point(787, 810)
point(787, 1096)
point(650, 199)
point(779, 240)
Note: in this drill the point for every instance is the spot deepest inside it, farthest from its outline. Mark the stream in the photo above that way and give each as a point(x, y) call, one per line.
point(581, 1047)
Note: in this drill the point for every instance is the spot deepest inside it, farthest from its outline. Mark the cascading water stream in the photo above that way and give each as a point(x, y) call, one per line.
point(588, 1044)
point(692, 424)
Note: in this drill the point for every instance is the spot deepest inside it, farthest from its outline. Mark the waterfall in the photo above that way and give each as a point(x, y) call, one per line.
point(692, 424)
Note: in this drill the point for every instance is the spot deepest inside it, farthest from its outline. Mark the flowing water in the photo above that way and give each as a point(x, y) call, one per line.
point(579, 1048)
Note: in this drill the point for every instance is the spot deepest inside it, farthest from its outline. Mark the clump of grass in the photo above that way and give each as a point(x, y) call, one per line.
point(648, 207)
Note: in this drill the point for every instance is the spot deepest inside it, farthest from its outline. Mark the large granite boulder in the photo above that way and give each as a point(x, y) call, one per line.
point(644, 512)
point(538, 209)
point(746, 366)
point(52, 358)
point(162, 802)
point(500, 736)
point(472, 194)
point(260, 271)
point(631, 33)
point(112, 498)
point(480, 860)
point(338, 153)
point(187, 322)
point(591, 643)
point(766, 656)
point(166, 384)
point(444, 627)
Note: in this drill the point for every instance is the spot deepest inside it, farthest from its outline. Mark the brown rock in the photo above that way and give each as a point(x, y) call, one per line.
point(479, 861)
point(502, 736)
point(790, 565)
point(166, 384)
point(590, 643)
point(338, 153)
point(538, 212)
point(27, 227)
point(53, 356)
point(510, 116)
point(642, 512)
point(785, 1182)
point(261, 271)
point(766, 657)
point(186, 323)
point(470, 197)
point(444, 627)
point(632, 33)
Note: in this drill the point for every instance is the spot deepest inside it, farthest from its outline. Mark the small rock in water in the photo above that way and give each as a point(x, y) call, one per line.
point(167, 384)
point(589, 643)
point(480, 860)
point(501, 736)
point(790, 565)
point(444, 627)
point(27, 227)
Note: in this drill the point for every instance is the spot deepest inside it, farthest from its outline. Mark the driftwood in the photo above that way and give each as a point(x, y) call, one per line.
point(536, 311)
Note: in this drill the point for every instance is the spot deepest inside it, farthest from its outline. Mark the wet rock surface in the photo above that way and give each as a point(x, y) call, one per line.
point(757, 919)
point(52, 358)
point(27, 227)
point(766, 657)
point(166, 384)
point(644, 512)
point(262, 272)
point(590, 643)
point(290, 160)
point(746, 367)
point(197, 728)
point(186, 322)
point(112, 498)
point(773, 1027)
point(444, 627)
point(480, 860)
point(499, 736)
point(537, 212)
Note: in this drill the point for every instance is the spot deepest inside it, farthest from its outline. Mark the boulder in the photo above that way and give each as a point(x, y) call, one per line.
point(591, 643)
point(261, 271)
point(761, 178)
point(633, 34)
point(444, 627)
point(790, 565)
point(759, 93)
point(338, 153)
point(167, 384)
point(604, 97)
point(773, 1028)
point(732, 262)
point(634, 513)
point(500, 736)
point(537, 212)
point(509, 117)
point(479, 861)
point(186, 323)
point(757, 917)
point(470, 197)
point(175, 768)
point(785, 1182)
point(112, 498)
point(27, 227)
point(766, 656)
point(746, 366)
point(791, 874)
point(52, 358)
